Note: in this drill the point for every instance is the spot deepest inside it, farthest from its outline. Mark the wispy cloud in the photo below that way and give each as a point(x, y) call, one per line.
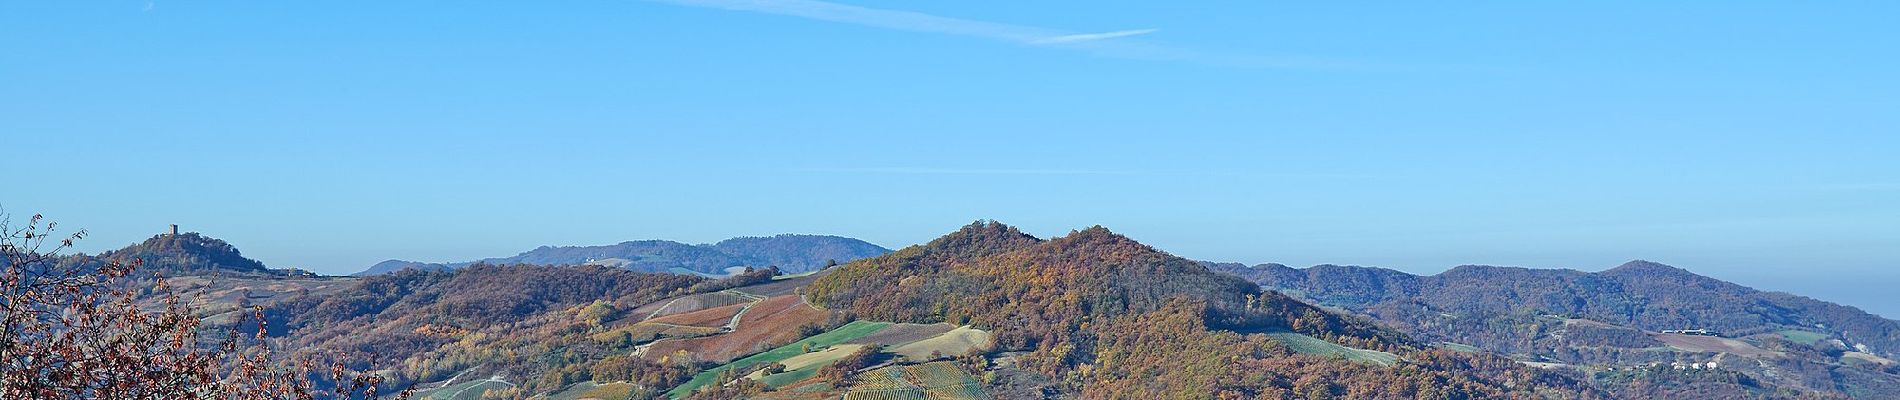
point(1084, 37)
point(1108, 44)
point(1851, 187)
point(964, 171)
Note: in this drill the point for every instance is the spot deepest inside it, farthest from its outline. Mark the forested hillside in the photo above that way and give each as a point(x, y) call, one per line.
point(530, 324)
point(1638, 294)
point(179, 254)
point(1112, 318)
point(1616, 319)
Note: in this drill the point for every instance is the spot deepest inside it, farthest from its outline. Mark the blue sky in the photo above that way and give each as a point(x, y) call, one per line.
point(1751, 142)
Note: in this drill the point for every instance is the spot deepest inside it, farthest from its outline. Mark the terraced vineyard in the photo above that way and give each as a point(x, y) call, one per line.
point(914, 341)
point(937, 374)
point(470, 390)
point(886, 394)
point(900, 334)
point(958, 392)
point(853, 330)
point(884, 378)
point(647, 331)
point(699, 302)
point(929, 381)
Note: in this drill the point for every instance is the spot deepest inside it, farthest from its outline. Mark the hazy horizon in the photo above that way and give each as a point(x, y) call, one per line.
point(1751, 143)
point(1866, 291)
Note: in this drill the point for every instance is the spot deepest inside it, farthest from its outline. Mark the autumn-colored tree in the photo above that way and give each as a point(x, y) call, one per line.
point(78, 330)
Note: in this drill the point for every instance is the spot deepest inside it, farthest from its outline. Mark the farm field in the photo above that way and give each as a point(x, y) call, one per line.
point(711, 318)
point(885, 378)
point(1802, 337)
point(1711, 344)
point(782, 285)
point(471, 390)
point(730, 271)
point(901, 334)
point(646, 332)
point(803, 366)
point(950, 343)
point(928, 381)
point(1459, 347)
point(886, 394)
point(1865, 357)
point(691, 303)
point(849, 331)
point(1304, 344)
point(773, 320)
point(593, 391)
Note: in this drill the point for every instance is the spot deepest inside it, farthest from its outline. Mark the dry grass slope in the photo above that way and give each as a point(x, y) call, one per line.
point(951, 343)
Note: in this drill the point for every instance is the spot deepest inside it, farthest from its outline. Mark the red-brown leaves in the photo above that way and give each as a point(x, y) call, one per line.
point(75, 330)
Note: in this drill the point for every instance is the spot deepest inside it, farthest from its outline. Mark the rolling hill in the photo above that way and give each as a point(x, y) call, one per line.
point(1108, 317)
point(184, 253)
point(1625, 317)
point(990, 312)
point(791, 253)
point(983, 312)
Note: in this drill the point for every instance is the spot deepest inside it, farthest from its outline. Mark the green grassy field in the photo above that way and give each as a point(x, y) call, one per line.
point(1803, 337)
point(806, 365)
point(779, 380)
point(1458, 347)
point(1310, 345)
point(853, 330)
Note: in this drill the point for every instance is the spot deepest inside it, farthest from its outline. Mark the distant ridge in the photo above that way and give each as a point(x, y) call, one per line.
point(388, 266)
point(1637, 315)
point(792, 253)
point(1640, 294)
